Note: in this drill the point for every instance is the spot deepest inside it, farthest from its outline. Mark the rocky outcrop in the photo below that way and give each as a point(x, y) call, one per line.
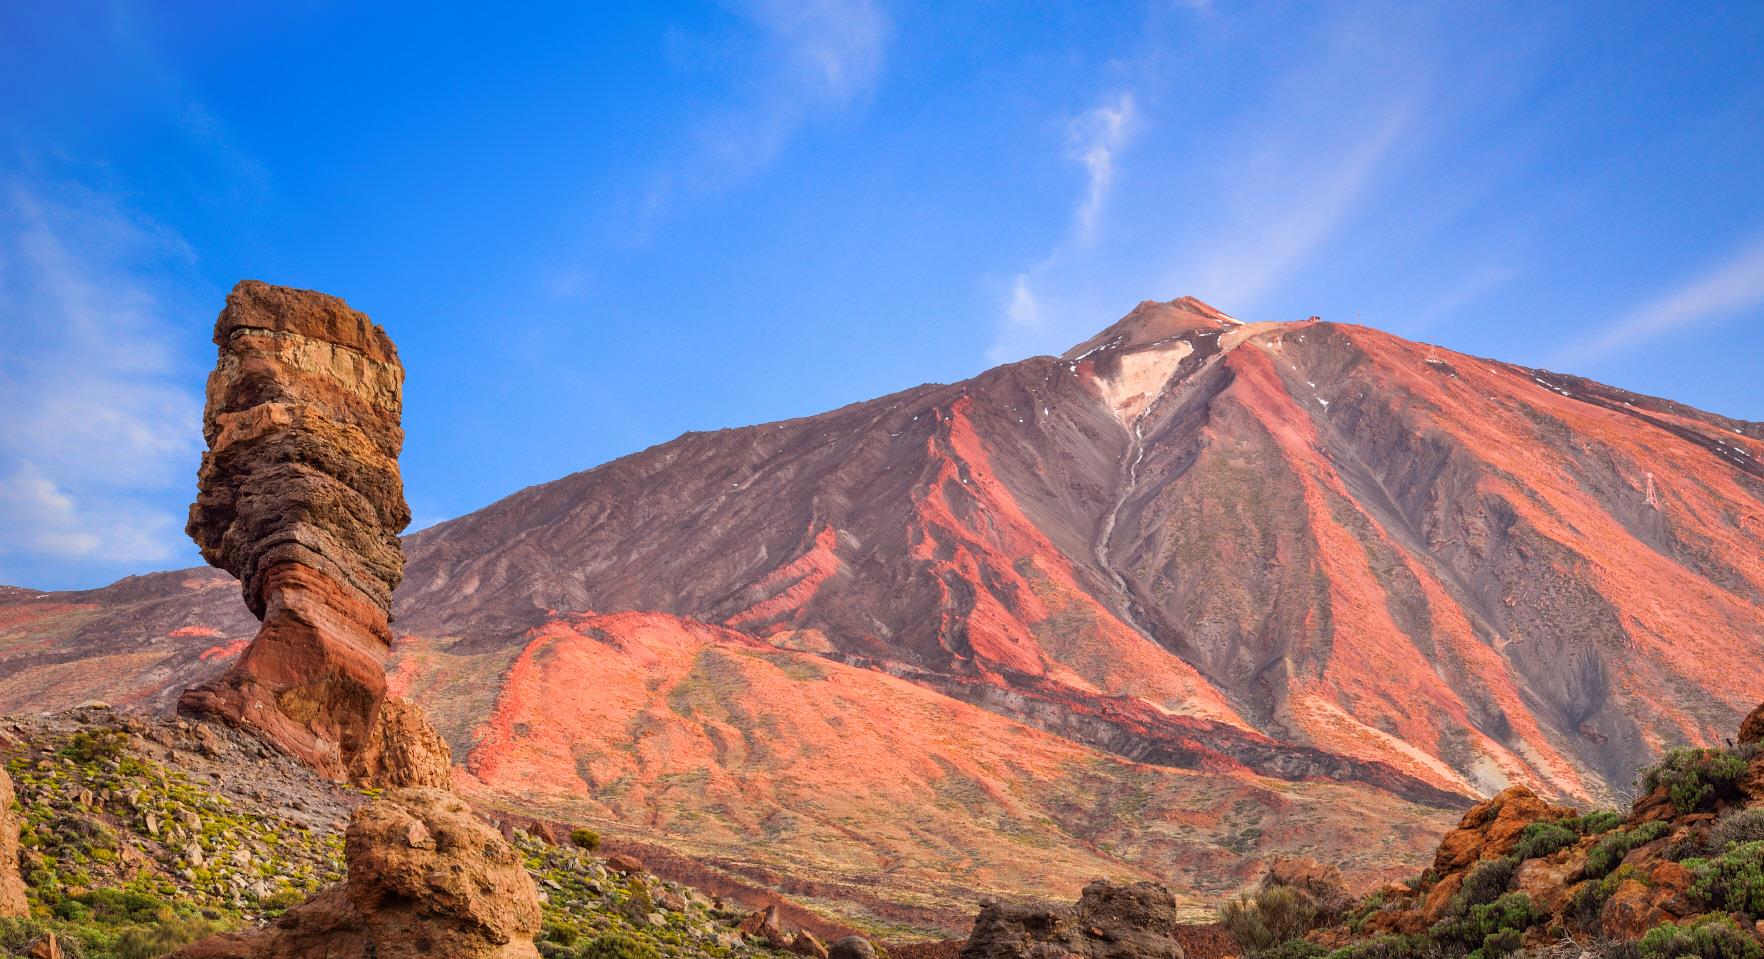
point(1492, 828)
point(1518, 871)
point(1752, 729)
point(300, 497)
point(426, 878)
point(12, 888)
point(1110, 921)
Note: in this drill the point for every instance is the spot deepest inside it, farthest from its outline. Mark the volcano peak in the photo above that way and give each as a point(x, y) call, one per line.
point(1154, 321)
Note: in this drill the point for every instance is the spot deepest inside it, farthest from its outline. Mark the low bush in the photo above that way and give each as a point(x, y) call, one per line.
point(1733, 881)
point(1739, 826)
point(86, 747)
point(1694, 778)
point(1542, 838)
point(1485, 883)
point(1589, 899)
point(1609, 852)
point(617, 946)
point(1596, 822)
point(1712, 936)
point(1270, 917)
point(1296, 949)
point(166, 933)
point(1391, 947)
point(585, 838)
point(1491, 929)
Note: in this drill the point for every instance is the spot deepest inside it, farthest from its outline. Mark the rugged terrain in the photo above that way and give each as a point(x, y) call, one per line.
point(1681, 874)
point(1196, 594)
point(142, 834)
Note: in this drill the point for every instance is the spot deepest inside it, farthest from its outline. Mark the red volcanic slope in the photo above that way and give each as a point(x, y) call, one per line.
point(1268, 554)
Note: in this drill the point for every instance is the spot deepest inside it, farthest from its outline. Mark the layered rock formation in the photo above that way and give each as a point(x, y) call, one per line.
point(12, 888)
point(300, 497)
point(426, 878)
point(1110, 921)
point(302, 500)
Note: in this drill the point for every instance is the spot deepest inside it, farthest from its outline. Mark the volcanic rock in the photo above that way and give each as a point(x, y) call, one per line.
point(1491, 828)
point(851, 947)
point(426, 878)
point(1110, 921)
point(764, 924)
point(300, 497)
point(1752, 729)
point(12, 888)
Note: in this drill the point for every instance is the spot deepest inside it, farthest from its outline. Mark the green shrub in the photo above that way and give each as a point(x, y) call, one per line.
point(1296, 949)
point(1589, 899)
point(1499, 943)
point(1543, 838)
point(638, 903)
point(1712, 936)
point(1484, 927)
point(1485, 883)
point(1597, 821)
point(87, 747)
point(1390, 947)
point(167, 933)
point(617, 946)
point(1733, 881)
point(586, 838)
point(1272, 916)
point(1609, 851)
point(1695, 777)
point(17, 934)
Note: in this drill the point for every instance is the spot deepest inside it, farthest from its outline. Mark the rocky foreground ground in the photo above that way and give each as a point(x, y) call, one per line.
point(137, 835)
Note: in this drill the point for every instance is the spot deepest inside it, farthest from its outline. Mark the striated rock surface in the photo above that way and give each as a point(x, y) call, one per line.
point(426, 878)
point(12, 888)
point(1110, 921)
point(300, 497)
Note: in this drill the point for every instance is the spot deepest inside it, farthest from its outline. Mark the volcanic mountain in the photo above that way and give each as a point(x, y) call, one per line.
point(1195, 593)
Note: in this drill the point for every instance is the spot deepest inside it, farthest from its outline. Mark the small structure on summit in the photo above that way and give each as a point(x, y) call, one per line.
point(301, 498)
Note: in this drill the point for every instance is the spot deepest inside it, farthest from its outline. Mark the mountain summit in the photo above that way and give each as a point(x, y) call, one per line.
point(1103, 612)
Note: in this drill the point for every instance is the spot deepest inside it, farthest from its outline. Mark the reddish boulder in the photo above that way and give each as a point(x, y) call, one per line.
point(300, 497)
point(1110, 921)
point(12, 887)
point(426, 878)
point(1752, 727)
point(766, 924)
point(625, 865)
point(806, 945)
point(1491, 828)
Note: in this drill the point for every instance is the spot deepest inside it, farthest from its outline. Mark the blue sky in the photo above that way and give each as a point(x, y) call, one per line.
point(591, 228)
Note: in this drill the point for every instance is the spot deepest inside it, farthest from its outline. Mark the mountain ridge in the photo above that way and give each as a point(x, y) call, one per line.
point(1189, 552)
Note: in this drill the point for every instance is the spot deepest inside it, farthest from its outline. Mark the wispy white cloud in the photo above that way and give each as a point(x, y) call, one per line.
point(817, 58)
point(1724, 288)
point(1258, 172)
point(1284, 199)
point(1095, 140)
point(102, 427)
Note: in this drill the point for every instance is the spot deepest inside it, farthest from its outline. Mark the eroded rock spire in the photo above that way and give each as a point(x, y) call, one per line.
point(300, 497)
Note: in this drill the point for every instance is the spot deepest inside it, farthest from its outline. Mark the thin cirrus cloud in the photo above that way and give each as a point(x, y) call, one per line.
point(1095, 140)
point(1731, 285)
point(1273, 168)
point(100, 422)
point(812, 59)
